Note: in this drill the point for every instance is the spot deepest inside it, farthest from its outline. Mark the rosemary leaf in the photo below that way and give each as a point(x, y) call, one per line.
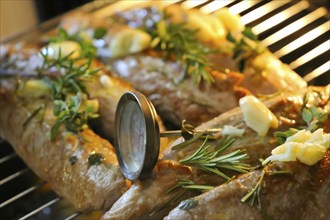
point(34, 114)
point(168, 203)
point(245, 47)
point(212, 161)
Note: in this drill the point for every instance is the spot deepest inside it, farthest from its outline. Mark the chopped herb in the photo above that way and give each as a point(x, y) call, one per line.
point(73, 160)
point(99, 33)
point(187, 204)
point(247, 32)
point(281, 136)
point(180, 41)
point(95, 159)
point(313, 116)
point(71, 115)
point(212, 161)
point(34, 114)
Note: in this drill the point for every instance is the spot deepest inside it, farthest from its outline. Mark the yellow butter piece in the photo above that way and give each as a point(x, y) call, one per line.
point(34, 88)
point(129, 41)
point(232, 131)
point(232, 22)
point(53, 50)
point(304, 146)
point(209, 27)
point(256, 115)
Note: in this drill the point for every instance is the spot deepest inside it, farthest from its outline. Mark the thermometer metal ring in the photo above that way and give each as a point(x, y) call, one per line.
point(137, 135)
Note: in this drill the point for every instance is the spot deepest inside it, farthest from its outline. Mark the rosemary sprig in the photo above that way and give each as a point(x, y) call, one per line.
point(182, 187)
point(245, 47)
point(169, 203)
point(214, 162)
point(72, 75)
point(253, 196)
point(191, 185)
point(69, 92)
point(34, 114)
point(180, 41)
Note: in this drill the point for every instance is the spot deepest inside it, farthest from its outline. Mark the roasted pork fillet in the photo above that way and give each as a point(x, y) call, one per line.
point(287, 109)
point(302, 194)
point(68, 163)
point(161, 77)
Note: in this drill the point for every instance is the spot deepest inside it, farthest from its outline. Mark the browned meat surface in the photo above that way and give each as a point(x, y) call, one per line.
point(144, 197)
point(300, 195)
point(174, 101)
point(63, 162)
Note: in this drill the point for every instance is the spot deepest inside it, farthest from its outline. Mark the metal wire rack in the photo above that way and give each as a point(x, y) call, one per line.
point(295, 31)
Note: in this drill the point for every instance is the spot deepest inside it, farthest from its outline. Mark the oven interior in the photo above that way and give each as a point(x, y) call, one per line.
point(295, 31)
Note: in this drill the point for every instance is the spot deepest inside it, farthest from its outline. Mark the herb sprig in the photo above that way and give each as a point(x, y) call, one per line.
point(213, 161)
point(180, 41)
point(182, 186)
point(245, 47)
point(69, 92)
point(190, 185)
point(253, 196)
point(313, 116)
point(71, 114)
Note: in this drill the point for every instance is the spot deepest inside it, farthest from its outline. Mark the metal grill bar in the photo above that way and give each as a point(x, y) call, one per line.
point(280, 17)
point(73, 216)
point(21, 194)
point(318, 72)
point(213, 6)
point(304, 39)
point(261, 11)
point(6, 158)
point(293, 27)
point(34, 212)
point(13, 176)
point(242, 6)
point(192, 4)
point(310, 55)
